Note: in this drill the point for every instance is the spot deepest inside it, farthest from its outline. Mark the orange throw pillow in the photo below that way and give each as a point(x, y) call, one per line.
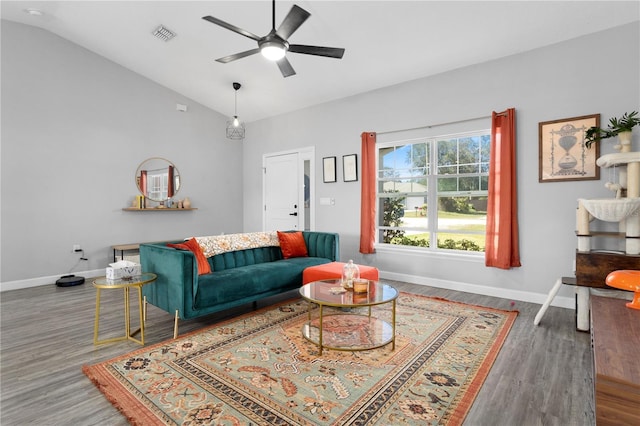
point(193, 246)
point(292, 244)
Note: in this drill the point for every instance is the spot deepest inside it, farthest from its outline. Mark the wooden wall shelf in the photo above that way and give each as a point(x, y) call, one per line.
point(166, 209)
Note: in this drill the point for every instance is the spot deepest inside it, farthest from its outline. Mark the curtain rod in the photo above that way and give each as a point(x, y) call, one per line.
point(439, 124)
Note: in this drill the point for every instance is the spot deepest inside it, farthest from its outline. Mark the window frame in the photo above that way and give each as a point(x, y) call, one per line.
point(432, 194)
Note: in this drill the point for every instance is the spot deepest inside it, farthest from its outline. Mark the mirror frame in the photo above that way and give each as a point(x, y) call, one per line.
point(170, 166)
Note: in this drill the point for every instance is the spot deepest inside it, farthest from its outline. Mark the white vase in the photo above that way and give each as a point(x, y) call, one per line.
point(186, 203)
point(624, 138)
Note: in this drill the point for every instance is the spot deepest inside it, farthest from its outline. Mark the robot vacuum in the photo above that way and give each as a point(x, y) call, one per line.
point(69, 280)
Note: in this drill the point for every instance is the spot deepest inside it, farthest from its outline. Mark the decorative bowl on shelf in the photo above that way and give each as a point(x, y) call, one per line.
point(611, 209)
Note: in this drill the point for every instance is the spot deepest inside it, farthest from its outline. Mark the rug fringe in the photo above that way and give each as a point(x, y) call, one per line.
point(116, 397)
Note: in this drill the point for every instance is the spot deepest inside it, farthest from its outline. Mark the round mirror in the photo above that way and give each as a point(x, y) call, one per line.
point(157, 179)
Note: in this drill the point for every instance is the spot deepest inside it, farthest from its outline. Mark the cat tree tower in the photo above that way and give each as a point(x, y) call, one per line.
point(593, 266)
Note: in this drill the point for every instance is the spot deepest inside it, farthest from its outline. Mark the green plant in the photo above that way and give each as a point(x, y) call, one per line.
point(392, 214)
point(616, 125)
point(456, 204)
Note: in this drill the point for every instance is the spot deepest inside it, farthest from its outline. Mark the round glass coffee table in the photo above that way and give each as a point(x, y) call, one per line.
point(126, 284)
point(345, 327)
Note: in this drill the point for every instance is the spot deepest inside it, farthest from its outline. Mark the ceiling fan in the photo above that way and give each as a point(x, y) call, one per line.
point(274, 45)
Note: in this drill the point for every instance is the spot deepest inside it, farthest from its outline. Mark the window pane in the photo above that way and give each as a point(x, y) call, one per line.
point(462, 223)
point(447, 157)
point(469, 183)
point(449, 184)
point(420, 157)
point(403, 185)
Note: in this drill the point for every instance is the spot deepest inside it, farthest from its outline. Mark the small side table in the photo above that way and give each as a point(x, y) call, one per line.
point(123, 248)
point(126, 284)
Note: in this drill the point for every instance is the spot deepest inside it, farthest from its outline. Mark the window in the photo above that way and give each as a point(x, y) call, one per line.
point(432, 192)
point(157, 185)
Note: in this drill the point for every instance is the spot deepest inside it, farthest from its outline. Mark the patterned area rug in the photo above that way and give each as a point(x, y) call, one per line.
point(258, 369)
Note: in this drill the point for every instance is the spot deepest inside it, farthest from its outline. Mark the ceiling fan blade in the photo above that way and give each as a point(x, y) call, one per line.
point(285, 67)
point(330, 52)
point(240, 55)
point(292, 21)
point(233, 28)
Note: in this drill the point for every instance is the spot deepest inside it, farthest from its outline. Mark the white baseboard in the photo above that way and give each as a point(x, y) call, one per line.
point(504, 293)
point(39, 281)
point(524, 296)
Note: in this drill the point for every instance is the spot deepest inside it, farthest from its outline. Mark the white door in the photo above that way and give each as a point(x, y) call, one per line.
point(282, 209)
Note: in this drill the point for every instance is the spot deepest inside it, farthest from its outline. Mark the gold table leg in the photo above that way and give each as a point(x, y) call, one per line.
point(141, 315)
point(320, 332)
point(127, 320)
point(96, 322)
point(393, 325)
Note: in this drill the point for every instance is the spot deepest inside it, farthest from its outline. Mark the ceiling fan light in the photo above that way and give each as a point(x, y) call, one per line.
point(272, 51)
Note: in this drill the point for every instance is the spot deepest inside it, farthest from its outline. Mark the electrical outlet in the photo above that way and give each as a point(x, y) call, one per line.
point(76, 247)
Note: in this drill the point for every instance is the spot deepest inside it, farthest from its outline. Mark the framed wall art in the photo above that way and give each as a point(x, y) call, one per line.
point(350, 167)
point(329, 169)
point(562, 155)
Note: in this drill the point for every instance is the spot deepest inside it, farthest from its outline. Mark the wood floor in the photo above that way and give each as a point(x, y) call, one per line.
point(542, 376)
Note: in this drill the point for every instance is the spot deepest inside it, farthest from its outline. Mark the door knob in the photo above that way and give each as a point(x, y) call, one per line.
point(293, 214)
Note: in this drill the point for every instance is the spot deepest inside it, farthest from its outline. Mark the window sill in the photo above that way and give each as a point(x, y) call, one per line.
point(471, 256)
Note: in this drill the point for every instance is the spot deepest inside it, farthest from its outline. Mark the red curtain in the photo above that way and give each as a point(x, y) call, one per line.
point(368, 196)
point(170, 182)
point(501, 250)
point(143, 182)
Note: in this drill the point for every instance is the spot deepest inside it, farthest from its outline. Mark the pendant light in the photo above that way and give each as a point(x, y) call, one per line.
point(235, 128)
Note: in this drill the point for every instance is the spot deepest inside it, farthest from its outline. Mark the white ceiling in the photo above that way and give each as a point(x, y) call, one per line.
point(386, 42)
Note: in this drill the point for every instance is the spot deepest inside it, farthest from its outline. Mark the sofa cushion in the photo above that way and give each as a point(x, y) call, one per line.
point(193, 246)
point(251, 280)
point(292, 244)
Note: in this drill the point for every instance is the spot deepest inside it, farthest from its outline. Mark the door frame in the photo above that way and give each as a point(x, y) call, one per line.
point(304, 154)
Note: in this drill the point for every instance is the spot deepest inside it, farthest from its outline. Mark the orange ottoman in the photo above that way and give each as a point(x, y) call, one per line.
point(334, 270)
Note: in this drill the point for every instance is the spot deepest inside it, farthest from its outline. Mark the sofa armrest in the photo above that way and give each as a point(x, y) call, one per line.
point(322, 244)
point(177, 274)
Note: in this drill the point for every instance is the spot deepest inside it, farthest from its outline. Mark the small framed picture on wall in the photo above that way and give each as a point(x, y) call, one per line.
point(329, 169)
point(350, 167)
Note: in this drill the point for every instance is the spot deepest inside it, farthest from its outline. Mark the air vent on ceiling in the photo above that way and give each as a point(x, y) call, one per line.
point(164, 33)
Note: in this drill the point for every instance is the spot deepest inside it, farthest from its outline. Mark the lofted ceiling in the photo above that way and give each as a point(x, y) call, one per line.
point(386, 42)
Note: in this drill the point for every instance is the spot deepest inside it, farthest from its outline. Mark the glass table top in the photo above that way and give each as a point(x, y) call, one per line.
point(331, 293)
point(141, 279)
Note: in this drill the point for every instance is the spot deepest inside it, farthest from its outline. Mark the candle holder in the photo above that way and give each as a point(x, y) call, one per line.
point(360, 285)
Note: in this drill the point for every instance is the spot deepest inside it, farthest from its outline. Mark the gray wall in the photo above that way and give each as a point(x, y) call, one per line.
point(559, 81)
point(75, 127)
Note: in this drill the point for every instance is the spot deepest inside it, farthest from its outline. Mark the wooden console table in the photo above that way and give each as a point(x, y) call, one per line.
point(615, 336)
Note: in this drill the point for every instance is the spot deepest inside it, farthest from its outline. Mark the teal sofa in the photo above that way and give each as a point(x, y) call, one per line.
point(237, 277)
